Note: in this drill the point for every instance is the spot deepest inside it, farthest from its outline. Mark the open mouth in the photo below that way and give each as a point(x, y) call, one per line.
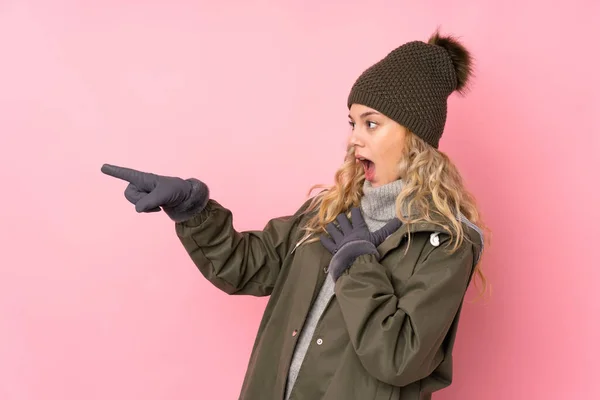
point(369, 167)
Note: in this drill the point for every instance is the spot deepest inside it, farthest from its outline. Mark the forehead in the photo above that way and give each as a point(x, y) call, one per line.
point(356, 110)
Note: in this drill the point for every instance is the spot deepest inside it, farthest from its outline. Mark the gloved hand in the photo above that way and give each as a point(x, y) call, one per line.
point(354, 240)
point(180, 199)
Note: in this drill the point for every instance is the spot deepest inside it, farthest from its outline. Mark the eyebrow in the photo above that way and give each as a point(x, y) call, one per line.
point(366, 114)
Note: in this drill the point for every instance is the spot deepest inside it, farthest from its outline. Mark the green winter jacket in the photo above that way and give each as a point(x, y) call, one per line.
point(387, 333)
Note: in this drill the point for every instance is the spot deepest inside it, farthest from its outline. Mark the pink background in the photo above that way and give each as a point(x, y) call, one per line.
point(98, 302)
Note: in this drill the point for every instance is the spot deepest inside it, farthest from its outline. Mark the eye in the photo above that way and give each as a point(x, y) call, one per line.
point(371, 124)
point(351, 123)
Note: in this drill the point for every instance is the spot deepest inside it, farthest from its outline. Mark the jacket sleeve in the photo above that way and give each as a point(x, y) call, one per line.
point(397, 336)
point(236, 262)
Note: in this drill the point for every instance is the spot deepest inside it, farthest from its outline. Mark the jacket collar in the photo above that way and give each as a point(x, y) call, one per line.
point(396, 238)
point(472, 233)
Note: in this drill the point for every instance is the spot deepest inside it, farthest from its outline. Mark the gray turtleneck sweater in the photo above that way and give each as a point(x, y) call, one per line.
point(378, 207)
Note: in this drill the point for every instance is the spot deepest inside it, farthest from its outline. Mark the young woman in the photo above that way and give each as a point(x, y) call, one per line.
point(367, 279)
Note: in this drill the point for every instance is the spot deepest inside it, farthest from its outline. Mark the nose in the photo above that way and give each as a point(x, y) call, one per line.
point(356, 139)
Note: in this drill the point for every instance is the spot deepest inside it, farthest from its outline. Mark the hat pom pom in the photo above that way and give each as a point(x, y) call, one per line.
point(460, 56)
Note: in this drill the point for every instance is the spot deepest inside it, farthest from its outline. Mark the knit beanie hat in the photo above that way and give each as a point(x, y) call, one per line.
point(412, 83)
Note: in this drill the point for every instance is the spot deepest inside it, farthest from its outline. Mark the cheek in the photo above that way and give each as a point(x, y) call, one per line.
point(391, 160)
point(392, 153)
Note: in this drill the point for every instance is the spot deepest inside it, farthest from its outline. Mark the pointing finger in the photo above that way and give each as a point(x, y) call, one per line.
point(143, 180)
point(126, 174)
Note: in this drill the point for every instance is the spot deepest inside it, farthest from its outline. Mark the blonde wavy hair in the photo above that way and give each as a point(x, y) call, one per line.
point(433, 191)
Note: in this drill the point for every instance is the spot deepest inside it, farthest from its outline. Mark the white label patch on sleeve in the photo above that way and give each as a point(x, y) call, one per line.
point(434, 239)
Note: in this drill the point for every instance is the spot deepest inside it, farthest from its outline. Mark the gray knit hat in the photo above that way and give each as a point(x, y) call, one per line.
point(412, 83)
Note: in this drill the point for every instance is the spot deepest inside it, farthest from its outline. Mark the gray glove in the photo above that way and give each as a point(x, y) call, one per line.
point(180, 199)
point(354, 240)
